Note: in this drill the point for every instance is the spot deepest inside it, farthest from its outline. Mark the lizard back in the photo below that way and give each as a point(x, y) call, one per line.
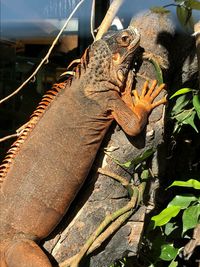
point(49, 162)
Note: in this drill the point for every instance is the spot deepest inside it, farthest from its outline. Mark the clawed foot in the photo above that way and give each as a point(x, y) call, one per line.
point(148, 95)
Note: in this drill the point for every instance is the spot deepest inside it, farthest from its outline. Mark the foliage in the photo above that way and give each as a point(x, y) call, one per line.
point(186, 110)
point(137, 161)
point(178, 203)
point(174, 225)
point(184, 12)
point(184, 208)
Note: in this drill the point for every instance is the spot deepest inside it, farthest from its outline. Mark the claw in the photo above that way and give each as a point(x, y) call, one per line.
point(157, 91)
point(135, 93)
point(153, 86)
point(144, 89)
point(160, 102)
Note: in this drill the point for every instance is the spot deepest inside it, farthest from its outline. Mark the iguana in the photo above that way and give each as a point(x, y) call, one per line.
point(46, 166)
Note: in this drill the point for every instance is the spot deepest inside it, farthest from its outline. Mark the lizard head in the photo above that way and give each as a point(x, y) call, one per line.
point(114, 54)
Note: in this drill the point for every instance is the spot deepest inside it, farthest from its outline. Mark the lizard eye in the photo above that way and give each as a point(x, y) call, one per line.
point(125, 39)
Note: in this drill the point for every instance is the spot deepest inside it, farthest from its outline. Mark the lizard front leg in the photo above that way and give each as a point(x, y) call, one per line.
point(133, 118)
point(127, 94)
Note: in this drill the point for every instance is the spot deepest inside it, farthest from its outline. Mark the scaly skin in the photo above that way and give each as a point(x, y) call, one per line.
point(50, 165)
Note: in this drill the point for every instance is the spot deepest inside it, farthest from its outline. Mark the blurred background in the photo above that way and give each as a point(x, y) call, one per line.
point(35, 18)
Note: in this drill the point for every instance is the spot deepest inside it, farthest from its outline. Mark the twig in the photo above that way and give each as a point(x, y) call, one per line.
point(115, 176)
point(102, 237)
point(111, 13)
point(110, 230)
point(8, 137)
point(111, 222)
point(131, 206)
point(170, 5)
point(45, 59)
point(92, 19)
point(74, 261)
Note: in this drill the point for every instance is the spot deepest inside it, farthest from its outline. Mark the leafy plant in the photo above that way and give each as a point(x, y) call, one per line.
point(174, 225)
point(185, 205)
point(184, 12)
point(186, 109)
point(137, 161)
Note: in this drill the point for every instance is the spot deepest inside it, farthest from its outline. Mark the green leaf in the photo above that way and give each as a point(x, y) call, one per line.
point(190, 217)
point(184, 15)
point(181, 92)
point(145, 174)
point(183, 115)
point(196, 104)
point(190, 183)
point(165, 215)
point(194, 4)
point(186, 117)
point(198, 114)
point(158, 70)
point(173, 264)
point(182, 201)
point(181, 103)
point(168, 252)
point(125, 164)
point(144, 156)
point(190, 120)
point(170, 227)
point(136, 160)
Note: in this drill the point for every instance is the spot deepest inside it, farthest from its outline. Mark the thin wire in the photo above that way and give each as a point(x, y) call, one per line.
point(92, 19)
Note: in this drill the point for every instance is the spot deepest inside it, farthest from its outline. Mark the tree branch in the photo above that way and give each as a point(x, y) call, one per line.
point(107, 21)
